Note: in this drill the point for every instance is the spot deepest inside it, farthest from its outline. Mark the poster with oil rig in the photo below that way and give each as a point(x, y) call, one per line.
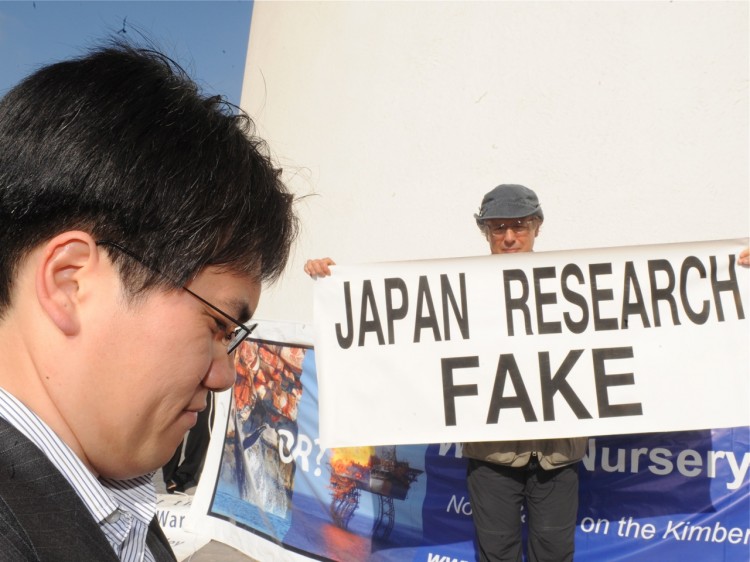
point(275, 481)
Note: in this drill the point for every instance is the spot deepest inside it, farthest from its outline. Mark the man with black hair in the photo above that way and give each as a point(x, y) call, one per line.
point(138, 220)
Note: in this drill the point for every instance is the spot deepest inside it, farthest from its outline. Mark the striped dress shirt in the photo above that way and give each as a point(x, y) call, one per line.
point(122, 508)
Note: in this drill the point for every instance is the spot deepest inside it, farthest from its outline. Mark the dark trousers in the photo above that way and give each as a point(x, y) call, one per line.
point(551, 498)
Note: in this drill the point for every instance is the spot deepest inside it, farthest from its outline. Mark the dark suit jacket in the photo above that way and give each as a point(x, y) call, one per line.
point(41, 516)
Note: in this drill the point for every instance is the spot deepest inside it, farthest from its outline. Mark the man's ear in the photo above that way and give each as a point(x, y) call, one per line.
point(64, 262)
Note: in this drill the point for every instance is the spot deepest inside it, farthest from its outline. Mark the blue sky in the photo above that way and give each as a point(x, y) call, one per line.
point(208, 39)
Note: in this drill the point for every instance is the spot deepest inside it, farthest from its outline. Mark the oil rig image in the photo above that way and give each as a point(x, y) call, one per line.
point(381, 474)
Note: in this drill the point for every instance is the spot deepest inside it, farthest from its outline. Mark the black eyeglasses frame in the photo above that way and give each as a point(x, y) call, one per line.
point(238, 335)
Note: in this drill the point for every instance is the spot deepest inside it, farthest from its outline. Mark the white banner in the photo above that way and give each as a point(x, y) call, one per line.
point(543, 345)
point(172, 511)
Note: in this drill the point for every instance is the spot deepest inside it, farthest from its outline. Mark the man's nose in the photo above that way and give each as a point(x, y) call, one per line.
point(510, 237)
point(222, 373)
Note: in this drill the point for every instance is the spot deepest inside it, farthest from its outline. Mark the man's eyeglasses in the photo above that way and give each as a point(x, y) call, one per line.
point(518, 226)
point(233, 339)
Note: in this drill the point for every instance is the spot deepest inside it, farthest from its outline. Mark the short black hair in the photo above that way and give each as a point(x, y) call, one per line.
point(122, 144)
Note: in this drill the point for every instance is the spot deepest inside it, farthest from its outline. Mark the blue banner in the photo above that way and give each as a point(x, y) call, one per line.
point(651, 497)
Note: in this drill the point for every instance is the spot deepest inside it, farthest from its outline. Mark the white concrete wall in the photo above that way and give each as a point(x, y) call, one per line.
point(629, 119)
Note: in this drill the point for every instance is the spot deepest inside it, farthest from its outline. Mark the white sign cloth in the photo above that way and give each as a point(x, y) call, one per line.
point(536, 345)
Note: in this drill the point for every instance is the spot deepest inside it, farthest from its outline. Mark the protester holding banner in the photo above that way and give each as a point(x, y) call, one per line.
point(503, 477)
point(138, 219)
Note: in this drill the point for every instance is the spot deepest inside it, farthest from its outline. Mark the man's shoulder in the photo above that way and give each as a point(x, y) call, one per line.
point(41, 515)
point(15, 544)
point(26, 475)
point(17, 452)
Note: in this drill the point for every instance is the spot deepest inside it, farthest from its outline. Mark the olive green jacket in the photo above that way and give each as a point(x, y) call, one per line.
point(552, 453)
